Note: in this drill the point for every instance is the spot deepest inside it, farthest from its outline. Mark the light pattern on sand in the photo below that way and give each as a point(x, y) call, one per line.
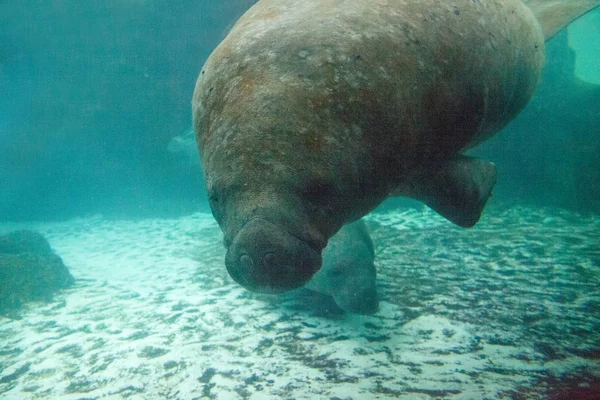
point(466, 314)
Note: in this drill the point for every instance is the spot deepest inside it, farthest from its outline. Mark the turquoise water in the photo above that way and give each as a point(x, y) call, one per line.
point(96, 153)
point(583, 35)
point(92, 95)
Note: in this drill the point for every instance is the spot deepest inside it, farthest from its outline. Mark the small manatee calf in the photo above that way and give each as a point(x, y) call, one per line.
point(310, 113)
point(348, 272)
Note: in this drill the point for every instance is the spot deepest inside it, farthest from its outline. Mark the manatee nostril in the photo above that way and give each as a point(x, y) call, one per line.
point(246, 262)
point(270, 262)
point(264, 257)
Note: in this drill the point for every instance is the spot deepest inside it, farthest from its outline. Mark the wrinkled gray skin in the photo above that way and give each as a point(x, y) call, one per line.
point(310, 113)
point(348, 273)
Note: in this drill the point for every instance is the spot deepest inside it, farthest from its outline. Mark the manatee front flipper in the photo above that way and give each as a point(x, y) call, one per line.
point(553, 15)
point(456, 189)
point(348, 272)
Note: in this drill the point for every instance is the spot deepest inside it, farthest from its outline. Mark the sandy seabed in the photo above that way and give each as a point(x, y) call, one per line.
point(507, 310)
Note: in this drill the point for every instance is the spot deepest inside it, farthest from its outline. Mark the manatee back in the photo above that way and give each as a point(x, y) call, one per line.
point(403, 80)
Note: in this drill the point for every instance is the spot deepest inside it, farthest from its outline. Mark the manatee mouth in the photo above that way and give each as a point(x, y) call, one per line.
point(265, 258)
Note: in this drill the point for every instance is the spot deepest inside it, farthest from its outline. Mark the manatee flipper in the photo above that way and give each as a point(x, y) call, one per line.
point(456, 189)
point(553, 15)
point(348, 273)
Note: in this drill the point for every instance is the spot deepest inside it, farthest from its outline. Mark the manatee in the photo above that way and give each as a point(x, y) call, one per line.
point(310, 113)
point(348, 272)
point(184, 145)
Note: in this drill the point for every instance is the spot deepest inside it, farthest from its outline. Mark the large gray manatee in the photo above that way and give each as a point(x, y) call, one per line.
point(310, 113)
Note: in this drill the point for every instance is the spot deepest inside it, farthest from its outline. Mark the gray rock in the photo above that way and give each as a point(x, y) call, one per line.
point(29, 270)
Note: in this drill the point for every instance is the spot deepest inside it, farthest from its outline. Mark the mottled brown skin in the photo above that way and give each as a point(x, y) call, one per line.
point(310, 113)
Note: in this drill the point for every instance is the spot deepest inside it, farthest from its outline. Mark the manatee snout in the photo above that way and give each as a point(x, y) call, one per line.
point(265, 258)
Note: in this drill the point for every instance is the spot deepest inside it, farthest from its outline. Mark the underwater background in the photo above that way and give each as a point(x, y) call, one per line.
point(96, 154)
point(93, 92)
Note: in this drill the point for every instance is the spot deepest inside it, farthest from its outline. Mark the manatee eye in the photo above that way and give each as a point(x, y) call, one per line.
point(214, 199)
point(213, 196)
point(219, 192)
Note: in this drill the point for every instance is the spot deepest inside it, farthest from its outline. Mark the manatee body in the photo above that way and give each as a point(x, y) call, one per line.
point(310, 113)
point(348, 272)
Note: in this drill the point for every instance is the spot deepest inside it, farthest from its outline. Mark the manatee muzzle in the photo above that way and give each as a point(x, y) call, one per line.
point(264, 257)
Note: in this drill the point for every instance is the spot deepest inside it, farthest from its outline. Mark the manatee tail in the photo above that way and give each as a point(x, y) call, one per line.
point(553, 15)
